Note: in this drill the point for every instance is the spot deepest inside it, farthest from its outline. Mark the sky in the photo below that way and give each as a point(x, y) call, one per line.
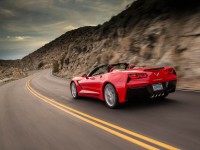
point(26, 25)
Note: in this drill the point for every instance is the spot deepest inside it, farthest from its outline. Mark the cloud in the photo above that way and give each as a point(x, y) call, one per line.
point(6, 13)
point(22, 38)
point(19, 48)
point(79, 1)
point(17, 38)
point(70, 27)
point(28, 22)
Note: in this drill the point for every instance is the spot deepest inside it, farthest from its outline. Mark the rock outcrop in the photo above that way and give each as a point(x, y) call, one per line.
point(148, 32)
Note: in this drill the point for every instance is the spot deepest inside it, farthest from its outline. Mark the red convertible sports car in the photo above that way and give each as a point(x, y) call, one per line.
point(118, 83)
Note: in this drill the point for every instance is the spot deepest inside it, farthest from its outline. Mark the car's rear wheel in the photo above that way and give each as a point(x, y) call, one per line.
point(110, 96)
point(74, 91)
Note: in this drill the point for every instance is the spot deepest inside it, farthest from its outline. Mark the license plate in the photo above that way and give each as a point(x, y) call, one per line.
point(157, 87)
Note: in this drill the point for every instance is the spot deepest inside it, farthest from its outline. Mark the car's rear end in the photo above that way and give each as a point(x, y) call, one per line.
point(152, 82)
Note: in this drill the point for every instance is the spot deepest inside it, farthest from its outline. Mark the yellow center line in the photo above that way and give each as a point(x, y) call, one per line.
point(73, 111)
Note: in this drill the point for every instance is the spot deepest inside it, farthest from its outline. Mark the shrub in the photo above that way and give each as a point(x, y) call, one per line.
point(62, 60)
point(55, 66)
point(40, 65)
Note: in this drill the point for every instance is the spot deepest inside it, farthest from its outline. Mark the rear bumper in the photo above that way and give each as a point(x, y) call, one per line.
point(147, 91)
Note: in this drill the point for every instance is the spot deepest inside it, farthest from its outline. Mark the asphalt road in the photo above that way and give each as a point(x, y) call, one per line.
point(38, 113)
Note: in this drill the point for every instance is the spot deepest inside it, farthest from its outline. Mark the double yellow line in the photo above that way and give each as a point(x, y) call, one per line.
point(106, 126)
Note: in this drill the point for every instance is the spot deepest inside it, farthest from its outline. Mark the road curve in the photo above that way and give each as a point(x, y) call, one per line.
point(38, 112)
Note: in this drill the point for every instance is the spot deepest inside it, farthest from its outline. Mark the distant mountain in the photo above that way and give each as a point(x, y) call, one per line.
point(11, 70)
point(148, 32)
point(7, 63)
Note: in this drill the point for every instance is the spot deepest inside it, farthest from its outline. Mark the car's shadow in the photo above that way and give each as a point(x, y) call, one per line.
point(144, 103)
point(139, 103)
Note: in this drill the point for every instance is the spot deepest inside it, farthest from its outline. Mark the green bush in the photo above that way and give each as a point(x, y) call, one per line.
point(55, 66)
point(40, 65)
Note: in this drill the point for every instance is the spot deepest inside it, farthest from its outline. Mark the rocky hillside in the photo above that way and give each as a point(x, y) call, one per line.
point(148, 32)
point(10, 70)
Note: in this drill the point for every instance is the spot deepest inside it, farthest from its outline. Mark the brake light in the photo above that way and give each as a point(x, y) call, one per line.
point(169, 71)
point(138, 75)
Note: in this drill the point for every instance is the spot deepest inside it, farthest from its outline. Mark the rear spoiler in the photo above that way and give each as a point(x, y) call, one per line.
point(151, 69)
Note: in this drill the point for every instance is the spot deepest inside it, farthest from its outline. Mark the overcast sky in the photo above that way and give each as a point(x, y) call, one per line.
point(26, 25)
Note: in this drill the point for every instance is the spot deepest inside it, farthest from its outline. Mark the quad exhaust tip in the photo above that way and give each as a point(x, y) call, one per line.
point(156, 95)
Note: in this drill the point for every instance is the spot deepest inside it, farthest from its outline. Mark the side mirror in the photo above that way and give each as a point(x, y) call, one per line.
point(85, 76)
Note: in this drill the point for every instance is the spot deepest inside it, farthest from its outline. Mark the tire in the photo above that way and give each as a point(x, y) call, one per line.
point(110, 96)
point(74, 91)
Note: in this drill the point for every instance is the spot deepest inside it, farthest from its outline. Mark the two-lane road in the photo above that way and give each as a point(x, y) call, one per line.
point(39, 113)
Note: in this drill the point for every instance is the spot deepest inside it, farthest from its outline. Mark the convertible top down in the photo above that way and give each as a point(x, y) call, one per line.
point(118, 83)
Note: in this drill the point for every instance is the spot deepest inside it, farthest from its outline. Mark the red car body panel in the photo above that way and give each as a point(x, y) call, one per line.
point(94, 86)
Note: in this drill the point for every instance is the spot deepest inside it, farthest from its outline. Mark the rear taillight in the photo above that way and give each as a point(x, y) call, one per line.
point(138, 75)
point(169, 71)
